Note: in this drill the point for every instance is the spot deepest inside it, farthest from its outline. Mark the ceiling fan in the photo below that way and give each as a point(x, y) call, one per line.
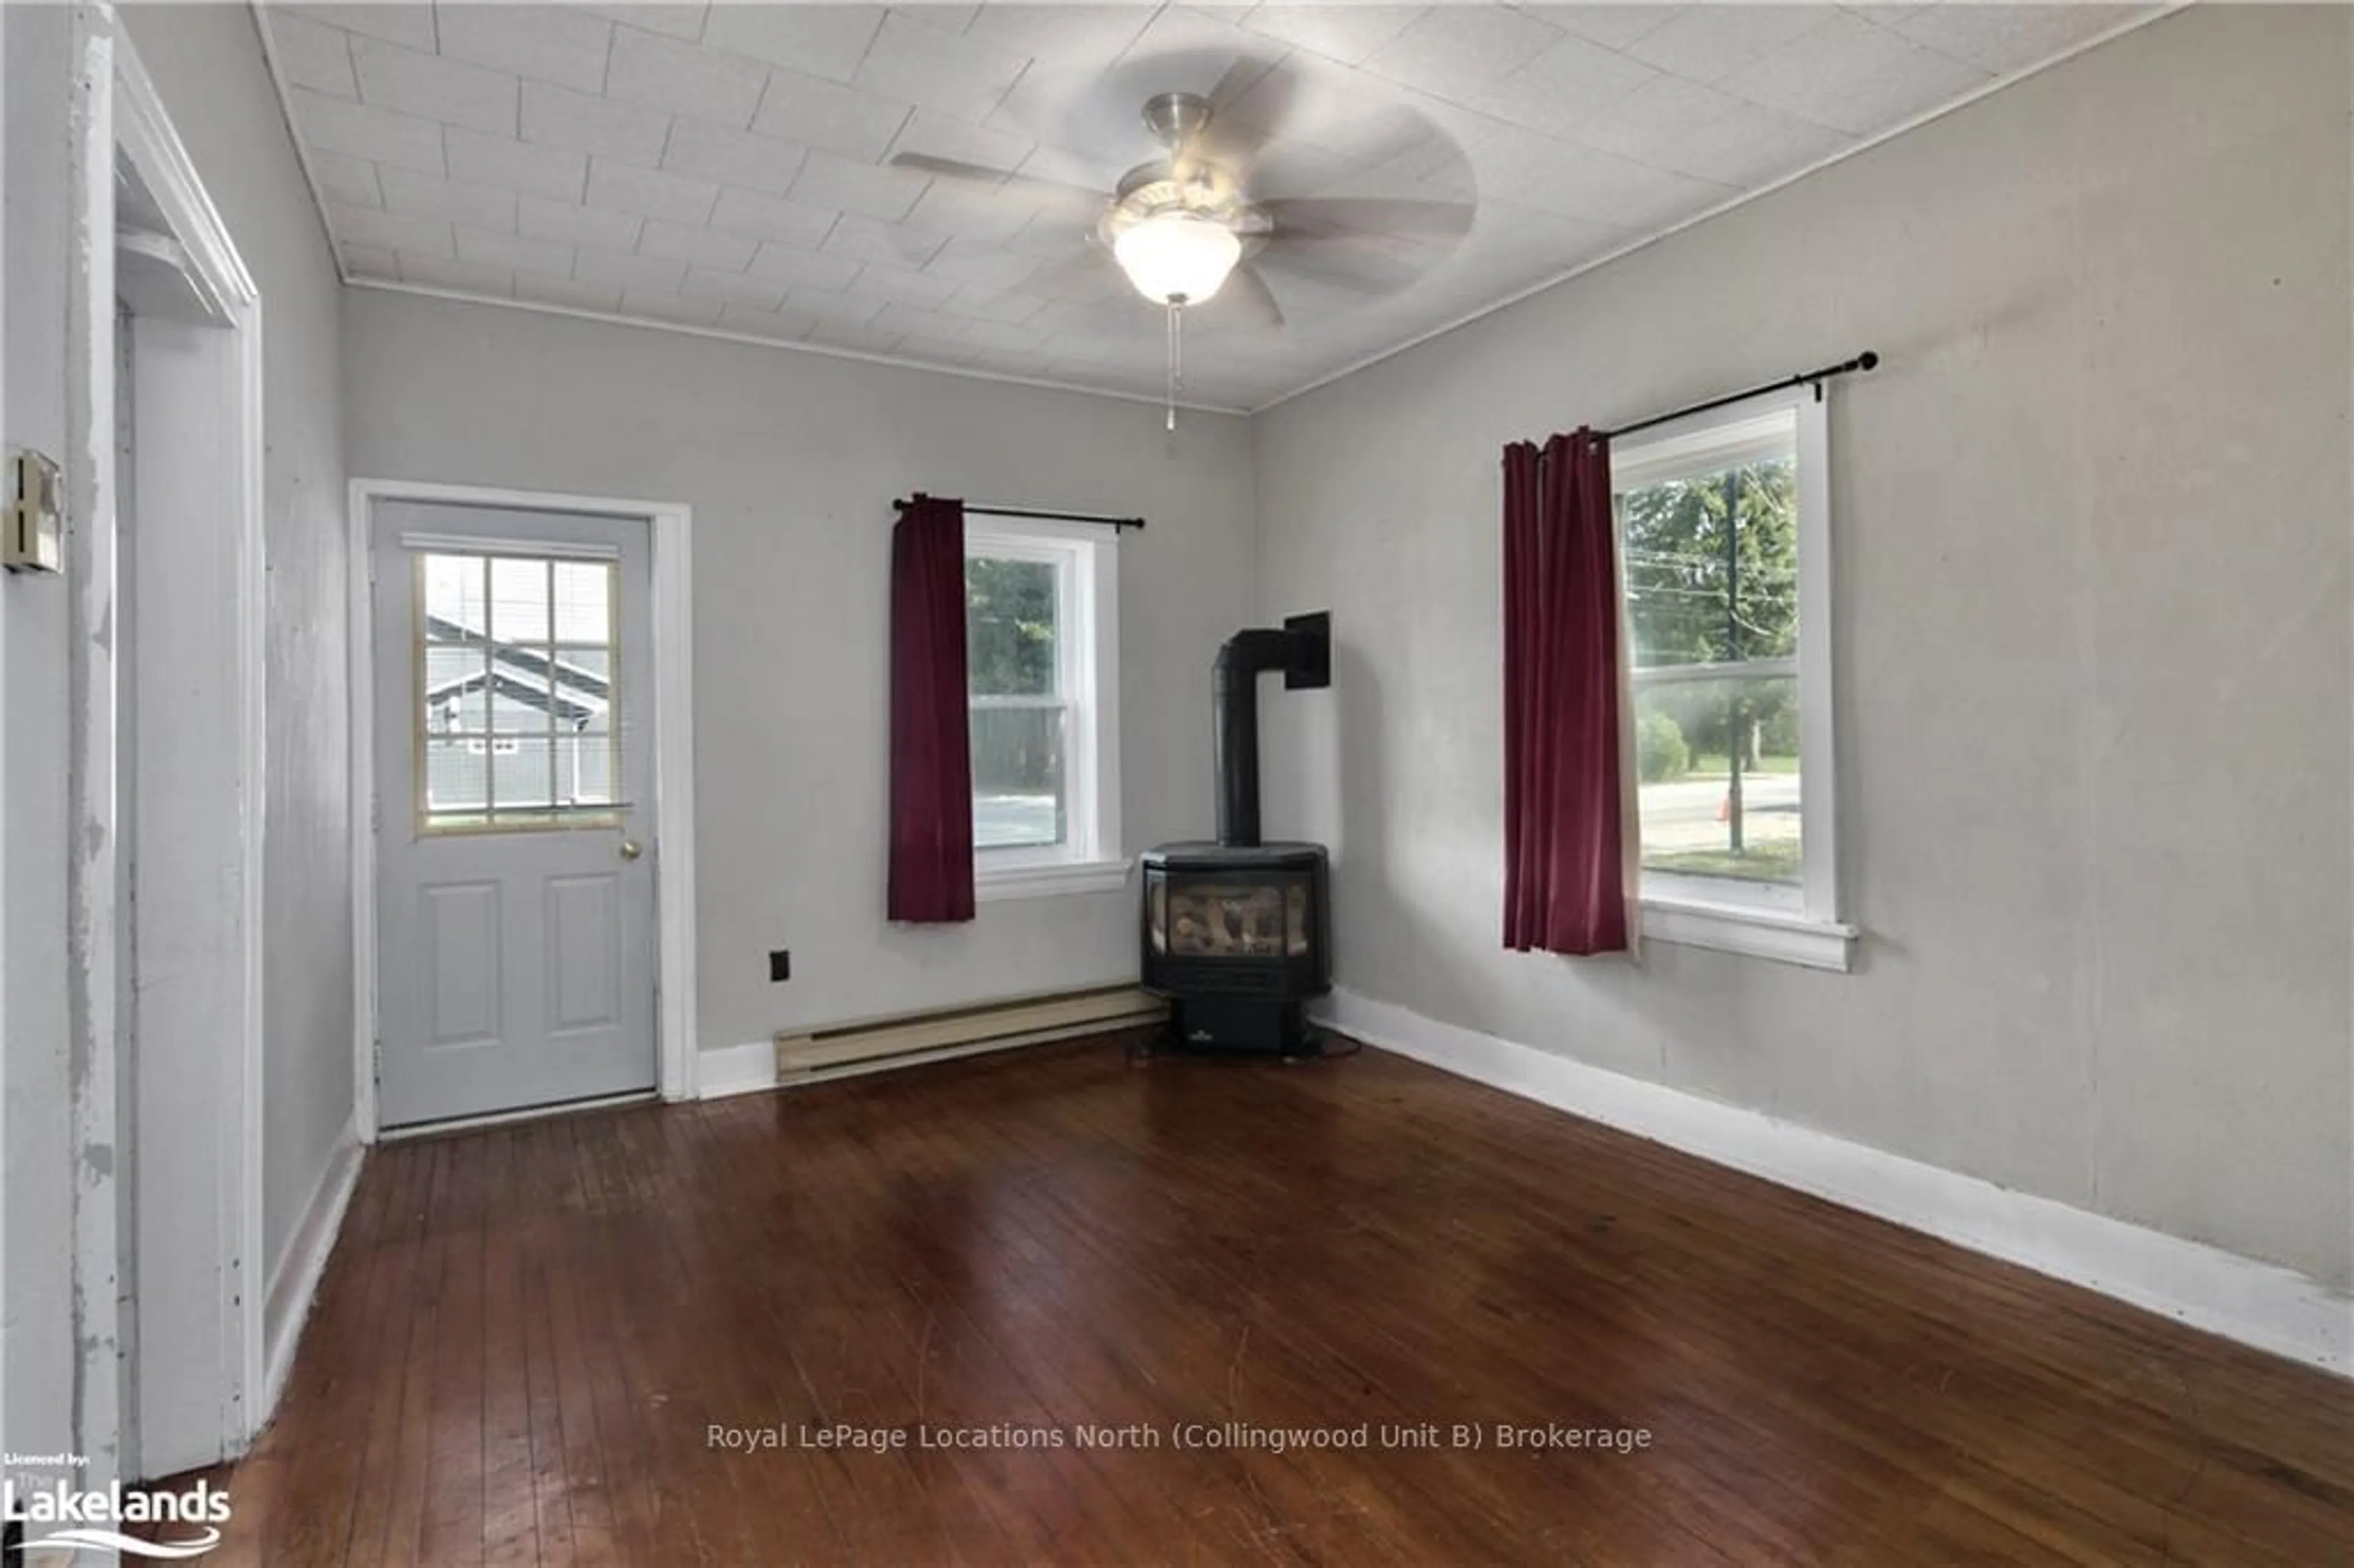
point(1184, 229)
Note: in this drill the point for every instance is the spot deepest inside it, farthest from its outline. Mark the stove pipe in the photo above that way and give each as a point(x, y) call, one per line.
point(1302, 651)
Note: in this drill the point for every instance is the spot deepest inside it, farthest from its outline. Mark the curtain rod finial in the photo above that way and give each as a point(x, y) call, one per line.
point(1867, 360)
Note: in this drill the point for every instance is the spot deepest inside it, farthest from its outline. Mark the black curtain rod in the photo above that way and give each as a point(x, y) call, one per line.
point(1043, 516)
point(1864, 361)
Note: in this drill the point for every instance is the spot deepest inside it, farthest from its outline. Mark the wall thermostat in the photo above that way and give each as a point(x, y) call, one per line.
point(32, 536)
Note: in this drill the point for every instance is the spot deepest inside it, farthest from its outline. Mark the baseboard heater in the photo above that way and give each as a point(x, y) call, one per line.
point(962, 1031)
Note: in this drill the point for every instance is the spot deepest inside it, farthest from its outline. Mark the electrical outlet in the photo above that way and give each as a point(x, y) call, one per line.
point(780, 965)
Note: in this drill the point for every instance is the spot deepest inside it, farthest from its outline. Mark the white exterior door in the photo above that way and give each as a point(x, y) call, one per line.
point(515, 927)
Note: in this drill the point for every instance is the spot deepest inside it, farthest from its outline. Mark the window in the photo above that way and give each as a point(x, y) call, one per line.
point(1724, 528)
point(516, 671)
point(1041, 618)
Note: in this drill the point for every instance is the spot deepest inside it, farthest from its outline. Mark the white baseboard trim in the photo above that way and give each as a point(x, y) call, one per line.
point(2259, 1304)
point(731, 1070)
point(294, 1281)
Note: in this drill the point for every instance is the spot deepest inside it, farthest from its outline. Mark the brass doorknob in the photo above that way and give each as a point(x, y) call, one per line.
point(631, 849)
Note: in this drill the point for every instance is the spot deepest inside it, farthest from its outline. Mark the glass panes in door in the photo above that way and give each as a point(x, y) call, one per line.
point(518, 659)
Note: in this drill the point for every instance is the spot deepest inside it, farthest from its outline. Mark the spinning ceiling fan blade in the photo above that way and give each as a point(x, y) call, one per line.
point(1002, 179)
point(1318, 217)
point(1086, 273)
point(1254, 302)
point(1356, 271)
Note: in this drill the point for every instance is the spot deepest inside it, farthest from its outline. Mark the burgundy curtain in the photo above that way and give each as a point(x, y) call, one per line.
point(1564, 888)
point(931, 749)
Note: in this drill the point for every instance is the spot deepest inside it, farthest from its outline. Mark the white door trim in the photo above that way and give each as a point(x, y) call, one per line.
point(674, 698)
point(140, 131)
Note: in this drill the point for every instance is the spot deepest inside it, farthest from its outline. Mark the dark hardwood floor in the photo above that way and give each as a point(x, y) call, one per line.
point(528, 1337)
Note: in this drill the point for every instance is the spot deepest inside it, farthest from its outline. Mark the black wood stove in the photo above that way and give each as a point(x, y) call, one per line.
point(1237, 934)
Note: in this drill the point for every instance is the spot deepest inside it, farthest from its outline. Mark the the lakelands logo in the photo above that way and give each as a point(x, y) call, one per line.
point(55, 1514)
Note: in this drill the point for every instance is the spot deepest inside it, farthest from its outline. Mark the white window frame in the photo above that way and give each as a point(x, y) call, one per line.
point(1801, 925)
point(1087, 563)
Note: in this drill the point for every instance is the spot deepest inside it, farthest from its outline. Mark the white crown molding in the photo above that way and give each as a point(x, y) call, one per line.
point(2263, 1305)
point(1732, 202)
point(894, 361)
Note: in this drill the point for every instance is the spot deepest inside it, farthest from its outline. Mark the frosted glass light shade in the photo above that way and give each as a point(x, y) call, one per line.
point(1177, 259)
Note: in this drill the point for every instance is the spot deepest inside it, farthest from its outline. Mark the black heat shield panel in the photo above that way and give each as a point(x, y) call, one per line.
point(1315, 670)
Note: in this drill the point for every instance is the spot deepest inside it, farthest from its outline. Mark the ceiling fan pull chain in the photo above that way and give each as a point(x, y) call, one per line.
point(1175, 361)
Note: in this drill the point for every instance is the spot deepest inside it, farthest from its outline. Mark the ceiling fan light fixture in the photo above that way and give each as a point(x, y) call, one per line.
point(1177, 258)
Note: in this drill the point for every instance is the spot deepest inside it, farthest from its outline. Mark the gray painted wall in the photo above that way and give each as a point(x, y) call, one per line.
point(790, 461)
point(2092, 625)
point(206, 63)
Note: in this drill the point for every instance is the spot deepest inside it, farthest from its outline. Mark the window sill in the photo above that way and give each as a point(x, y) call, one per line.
point(1787, 939)
point(1049, 880)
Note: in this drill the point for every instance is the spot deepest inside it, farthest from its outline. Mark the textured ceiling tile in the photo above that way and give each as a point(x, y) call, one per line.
point(434, 88)
point(724, 138)
point(981, 268)
point(357, 131)
point(784, 326)
point(458, 277)
point(413, 235)
point(701, 247)
point(792, 267)
point(1003, 336)
point(1706, 42)
point(1455, 52)
point(1013, 306)
point(627, 270)
point(514, 251)
point(2008, 37)
point(901, 285)
point(715, 152)
point(569, 292)
point(1749, 146)
point(1572, 79)
point(824, 40)
point(1660, 113)
point(664, 73)
point(1830, 71)
point(1343, 33)
point(562, 118)
point(732, 287)
point(913, 321)
point(827, 180)
point(814, 113)
point(548, 43)
point(351, 181)
point(675, 20)
point(854, 337)
point(650, 193)
point(425, 195)
point(973, 212)
point(826, 305)
point(311, 54)
point(572, 224)
point(1202, 36)
point(771, 217)
point(530, 168)
point(868, 239)
point(675, 308)
point(933, 70)
point(1060, 34)
point(410, 24)
point(367, 260)
point(1912, 84)
point(1614, 27)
